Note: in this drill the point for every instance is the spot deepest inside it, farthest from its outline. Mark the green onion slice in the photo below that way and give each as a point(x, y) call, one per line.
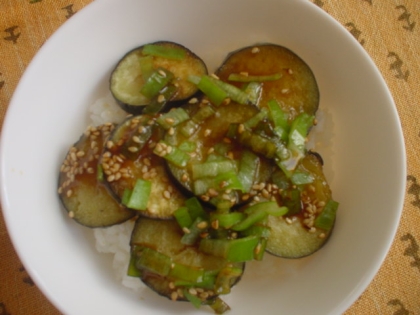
point(240, 77)
point(164, 51)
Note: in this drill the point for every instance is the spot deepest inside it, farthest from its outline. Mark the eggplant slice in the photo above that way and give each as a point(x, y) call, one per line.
point(285, 76)
point(297, 234)
point(129, 156)
point(171, 268)
point(81, 190)
point(171, 69)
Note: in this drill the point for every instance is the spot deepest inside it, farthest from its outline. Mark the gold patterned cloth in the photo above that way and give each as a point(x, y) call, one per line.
point(388, 30)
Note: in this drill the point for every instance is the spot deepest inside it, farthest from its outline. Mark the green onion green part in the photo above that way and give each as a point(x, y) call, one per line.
point(238, 77)
point(164, 51)
point(157, 80)
point(326, 218)
point(138, 198)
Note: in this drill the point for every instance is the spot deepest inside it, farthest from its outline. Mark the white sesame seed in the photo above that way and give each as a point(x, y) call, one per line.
point(161, 98)
point(202, 225)
point(192, 291)
point(194, 100)
point(174, 296)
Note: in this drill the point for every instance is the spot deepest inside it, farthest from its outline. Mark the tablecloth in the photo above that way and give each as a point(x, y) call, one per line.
point(389, 30)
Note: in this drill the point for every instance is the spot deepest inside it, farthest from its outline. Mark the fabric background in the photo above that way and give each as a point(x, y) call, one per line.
point(389, 30)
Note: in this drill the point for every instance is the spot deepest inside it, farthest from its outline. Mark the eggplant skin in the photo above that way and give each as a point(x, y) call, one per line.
point(126, 78)
point(84, 196)
point(297, 90)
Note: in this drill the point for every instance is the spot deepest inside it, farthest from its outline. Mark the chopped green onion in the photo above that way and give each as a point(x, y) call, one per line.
point(234, 93)
point(206, 282)
point(219, 306)
point(188, 128)
point(99, 173)
point(172, 154)
point(256, 119)
point(154, 261)
point(229, 181)
point(157, 80)
point(260, 249)
point(250, 220)
point(183, 217)
point(126, 196)
point(259, 212)
point(279, 118)
point(186, 273)
point(280, 179)
point(215, 93)
point(326, 218)
point(132, 270)
point(192, 125)
point(146, 66)
point(212, 169)
point(238, 77)
point(187, 146)
point(248, 168)
point(195, 208)
point(223, 148)
point(301, 178)
point(164, 51)
point(257, 143)
point(194, 299)
point(158, 102)
point(225, 277)
point(138, 198)
point(172, 118)
point(291, 200)
point(192, 234)
point(258, 230)
point(253, 90)
point(226, 180)
point(233, 250)
point(227, 220)
point(296, 145)
point(298, 132)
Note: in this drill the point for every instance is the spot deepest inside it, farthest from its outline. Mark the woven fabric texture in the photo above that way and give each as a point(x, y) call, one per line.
point(388, 30)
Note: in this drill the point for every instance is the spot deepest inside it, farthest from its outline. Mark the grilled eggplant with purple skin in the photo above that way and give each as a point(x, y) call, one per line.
point(82, 190)
point(177, 271)
point(153, 76)
point(311, 218)
point(285, 77)
point(129, 164)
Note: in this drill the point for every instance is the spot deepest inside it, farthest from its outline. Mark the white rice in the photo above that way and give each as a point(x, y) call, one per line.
point(105, 110)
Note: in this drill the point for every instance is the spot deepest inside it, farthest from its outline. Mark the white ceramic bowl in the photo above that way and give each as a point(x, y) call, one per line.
point(361, 143)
